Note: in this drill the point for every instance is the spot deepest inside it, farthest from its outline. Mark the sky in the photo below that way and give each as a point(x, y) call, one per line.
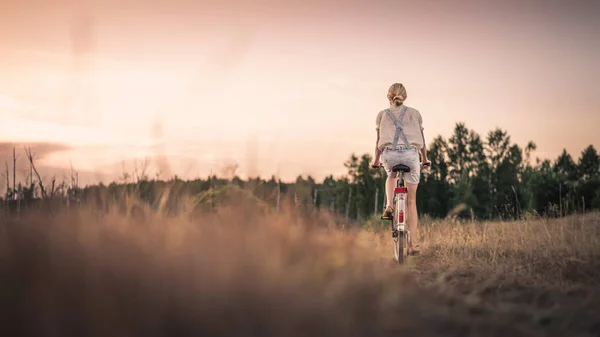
point(286, 87)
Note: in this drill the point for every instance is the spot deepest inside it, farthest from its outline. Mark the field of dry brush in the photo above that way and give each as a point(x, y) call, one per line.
point(243, 272)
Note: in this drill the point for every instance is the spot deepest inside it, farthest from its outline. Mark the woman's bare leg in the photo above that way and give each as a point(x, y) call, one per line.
point(390, 185)
point(411, 213)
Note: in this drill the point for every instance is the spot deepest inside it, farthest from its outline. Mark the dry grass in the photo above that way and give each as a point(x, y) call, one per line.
point(248, 273)
point(541, 271)
point(550, 252)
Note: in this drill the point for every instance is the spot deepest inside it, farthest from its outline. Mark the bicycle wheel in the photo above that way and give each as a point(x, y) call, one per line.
point(408, 243)
point(400, 247)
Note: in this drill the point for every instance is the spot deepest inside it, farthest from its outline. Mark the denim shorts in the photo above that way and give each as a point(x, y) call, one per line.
point(408, 156)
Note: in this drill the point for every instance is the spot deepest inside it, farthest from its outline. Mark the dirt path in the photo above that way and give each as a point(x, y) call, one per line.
point(535, 308)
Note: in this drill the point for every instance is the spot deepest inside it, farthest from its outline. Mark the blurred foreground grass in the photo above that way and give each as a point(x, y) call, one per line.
point(249, 272)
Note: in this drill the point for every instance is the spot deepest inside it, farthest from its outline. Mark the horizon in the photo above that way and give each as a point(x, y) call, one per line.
point(151, 167)
point(104, 82)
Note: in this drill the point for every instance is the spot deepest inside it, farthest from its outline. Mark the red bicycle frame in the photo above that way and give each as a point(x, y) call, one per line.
point(400, 203)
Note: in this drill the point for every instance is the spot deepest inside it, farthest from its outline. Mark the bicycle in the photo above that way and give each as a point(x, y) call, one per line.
point(400, 231)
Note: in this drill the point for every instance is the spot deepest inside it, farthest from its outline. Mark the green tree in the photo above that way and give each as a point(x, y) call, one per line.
point(458, 153)
point(433, 195)
point(328, 192)
point(528, 176)
point(479, 176)
point(365, 187)
point(497, 148)
point(507, 179)
point(352, 165)
point(565, 166)
point(589, 163)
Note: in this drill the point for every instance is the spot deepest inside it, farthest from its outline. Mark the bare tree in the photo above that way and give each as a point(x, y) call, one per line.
point(30, 169)
point(141, 173)
point(278, 193)
point(14, 171)
point(74, 178)
point(62, 189)
point(125, 175)
point(40, 183)
point(7, 180)
point(211, 190)
point(52, 189)
point(71, 187)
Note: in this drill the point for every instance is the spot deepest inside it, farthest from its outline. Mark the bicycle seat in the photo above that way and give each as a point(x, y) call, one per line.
point(401, 168)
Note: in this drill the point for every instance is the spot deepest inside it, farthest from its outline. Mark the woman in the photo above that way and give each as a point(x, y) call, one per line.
point(399, 139)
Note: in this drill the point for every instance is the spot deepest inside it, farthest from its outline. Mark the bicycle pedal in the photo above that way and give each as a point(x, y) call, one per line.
point(386, 217)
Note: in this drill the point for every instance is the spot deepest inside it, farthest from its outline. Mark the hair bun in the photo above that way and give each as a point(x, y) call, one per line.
point(397, 94)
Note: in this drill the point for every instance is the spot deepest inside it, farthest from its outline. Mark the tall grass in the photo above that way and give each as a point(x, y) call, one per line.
point(128, 270)
point(553, 252)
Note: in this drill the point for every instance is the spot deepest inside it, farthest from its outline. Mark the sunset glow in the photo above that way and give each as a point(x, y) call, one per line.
point(288, 88)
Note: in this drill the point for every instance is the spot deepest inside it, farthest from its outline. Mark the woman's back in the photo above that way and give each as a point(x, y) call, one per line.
point(411, 122)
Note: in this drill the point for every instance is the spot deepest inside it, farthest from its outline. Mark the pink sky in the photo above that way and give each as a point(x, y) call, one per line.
point(292, 88)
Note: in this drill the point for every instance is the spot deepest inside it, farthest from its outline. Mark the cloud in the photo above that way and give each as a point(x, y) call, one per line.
point(8, 103)
point(41, 150)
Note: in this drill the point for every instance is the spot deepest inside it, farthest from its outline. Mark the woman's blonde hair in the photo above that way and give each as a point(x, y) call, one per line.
point(397, 94)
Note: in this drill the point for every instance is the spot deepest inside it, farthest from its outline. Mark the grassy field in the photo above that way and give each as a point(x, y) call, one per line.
point(255, 273)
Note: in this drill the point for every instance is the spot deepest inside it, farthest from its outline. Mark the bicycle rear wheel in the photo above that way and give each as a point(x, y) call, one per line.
point(400, 247)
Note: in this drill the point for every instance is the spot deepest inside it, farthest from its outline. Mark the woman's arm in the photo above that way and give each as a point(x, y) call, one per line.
point(377, 152)
point(424, 148)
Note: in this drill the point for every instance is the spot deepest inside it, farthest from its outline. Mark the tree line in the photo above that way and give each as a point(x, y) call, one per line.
point(489, 178)
point(472, 176)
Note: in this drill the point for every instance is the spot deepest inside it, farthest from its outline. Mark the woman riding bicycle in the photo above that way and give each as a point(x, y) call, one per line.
point(399, 139)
